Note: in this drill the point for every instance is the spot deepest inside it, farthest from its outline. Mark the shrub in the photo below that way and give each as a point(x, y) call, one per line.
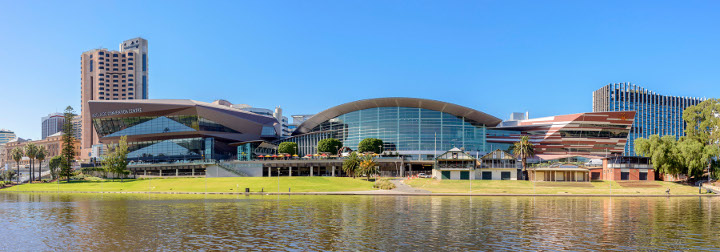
point(384, 184)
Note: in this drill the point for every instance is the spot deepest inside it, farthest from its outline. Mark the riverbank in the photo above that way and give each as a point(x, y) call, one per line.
point(516, 187)
point(202, 185)
point(349, 186)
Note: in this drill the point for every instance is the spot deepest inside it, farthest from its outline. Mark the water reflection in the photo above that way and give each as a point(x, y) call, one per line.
point(197, 222)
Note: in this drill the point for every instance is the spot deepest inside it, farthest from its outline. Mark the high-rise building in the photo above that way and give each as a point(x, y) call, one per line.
point(656, 114)
point(52, 123)
point(6, 136)
point(111, 75)
point(77, 127)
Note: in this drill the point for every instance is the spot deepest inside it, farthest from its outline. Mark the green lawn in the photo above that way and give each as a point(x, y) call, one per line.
point(297, 184)
point(527, 187)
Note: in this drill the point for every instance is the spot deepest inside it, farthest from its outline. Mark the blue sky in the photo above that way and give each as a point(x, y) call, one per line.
point(545, 57)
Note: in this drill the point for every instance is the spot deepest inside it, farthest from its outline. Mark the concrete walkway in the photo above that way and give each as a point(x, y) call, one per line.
point(401, 187)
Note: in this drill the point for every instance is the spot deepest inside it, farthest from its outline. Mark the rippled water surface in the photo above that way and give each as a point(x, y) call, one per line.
point(113, 222)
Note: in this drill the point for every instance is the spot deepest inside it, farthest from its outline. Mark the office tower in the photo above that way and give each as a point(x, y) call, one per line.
point(111, 75)
point(6, 136)
point(656, 113)
point(51, 124)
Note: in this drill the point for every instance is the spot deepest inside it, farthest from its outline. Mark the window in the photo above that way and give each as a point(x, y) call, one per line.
point(486, 175)
point(130, 84)
point(123, 69)
point(91, 56)
point(102, 88)
point(101, 79)
point(130, 79)
point(115, 65)
point(130, 64)
point(115, 69)
point(123, 90)
point(115, 95)
point(505, 175)
point(130, 93)
point(115, 98)
point(115, 76)
point(115, 80)
point(130, 54)
point(130, 75)
point(123, 94)
point(123, 60)
point(101, 53)
point(131, 68)
point(101, 67)
point(123, 65)
point(115, 90)
point(101, 74)
point(144, 62)
point(130, 59)
point(102, 93)
point(131, 89)
point(123, 85)
point(101, 58)
point(643, 176)
point(91, 64)
point(115, 55)
point(624, 176)
point(123, 80)
point(115, 85)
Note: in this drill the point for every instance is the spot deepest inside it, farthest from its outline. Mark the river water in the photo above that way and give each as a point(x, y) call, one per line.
point(118, 222)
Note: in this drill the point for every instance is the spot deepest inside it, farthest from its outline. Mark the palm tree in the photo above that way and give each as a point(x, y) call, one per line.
point(40, 155)
point(367, 165)
point(16, 155)
point(31, 152)
point(351, 164)
point(524, 149)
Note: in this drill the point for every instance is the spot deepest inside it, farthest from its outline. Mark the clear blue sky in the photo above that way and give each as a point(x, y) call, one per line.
point(495, 56)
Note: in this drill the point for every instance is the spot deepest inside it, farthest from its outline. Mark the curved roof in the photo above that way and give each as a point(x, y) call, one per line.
point(449, 108)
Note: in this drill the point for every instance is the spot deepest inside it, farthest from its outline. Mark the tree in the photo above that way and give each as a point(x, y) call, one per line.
point(695, 156)
point(54, 164)
point(288, 147)
point(371, 145)
point(68, 140)
point(662, 151)
point(352, 164)
point(115, 161)
point(524, 149)
point(331, 145)
point(702, 122)
point(31, 151)
point(17, 154)
point(40, 156)
point(367, 166)
point(703, 126)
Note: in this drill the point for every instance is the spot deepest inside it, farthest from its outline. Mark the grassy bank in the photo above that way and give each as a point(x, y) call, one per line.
point(297, 184)
point(527, 187)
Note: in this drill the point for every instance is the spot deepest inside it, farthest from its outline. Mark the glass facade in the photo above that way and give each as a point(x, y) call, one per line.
point(128, 126)
point(407, 130)
point(167, 149)
point(656, 114)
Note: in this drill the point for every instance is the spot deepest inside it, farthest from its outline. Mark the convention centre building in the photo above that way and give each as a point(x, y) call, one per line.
point(414, 132)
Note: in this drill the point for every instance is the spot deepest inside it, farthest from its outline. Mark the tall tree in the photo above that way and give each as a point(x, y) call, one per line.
point(351, 164)
point(17, 154)
point(40, 155)
point(331, 145)
point(68, 148)
point(373, 145)
point(31, 151)
point(288, 147)
point(524, 149)
point(702, 125)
